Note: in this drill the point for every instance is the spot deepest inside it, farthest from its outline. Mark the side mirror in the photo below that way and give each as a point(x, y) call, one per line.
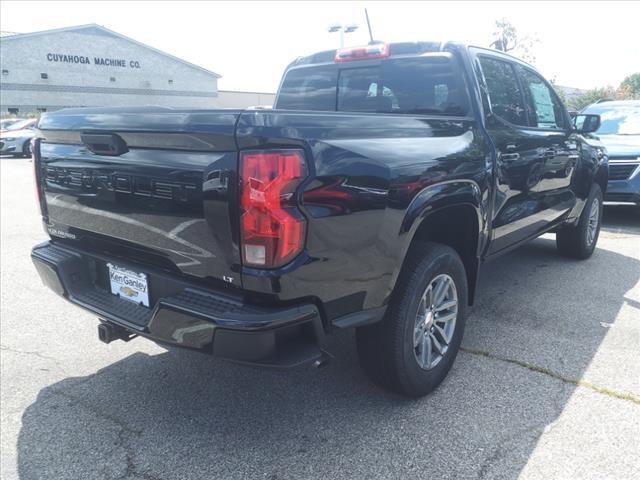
point(586, 123)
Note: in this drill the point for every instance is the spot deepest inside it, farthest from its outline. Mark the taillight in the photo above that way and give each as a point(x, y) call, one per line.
point(377, 50)
point(272, 227)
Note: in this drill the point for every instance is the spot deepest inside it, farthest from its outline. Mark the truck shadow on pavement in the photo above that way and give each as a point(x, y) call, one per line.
point(622, 218)
point(183, 415)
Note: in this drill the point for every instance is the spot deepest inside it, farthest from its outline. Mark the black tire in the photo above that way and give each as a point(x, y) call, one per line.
point(386, 349)
point(26, 149)
point(575, 241)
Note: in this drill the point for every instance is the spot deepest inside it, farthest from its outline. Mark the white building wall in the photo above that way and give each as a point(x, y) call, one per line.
point(145, 76)
point(233, 99)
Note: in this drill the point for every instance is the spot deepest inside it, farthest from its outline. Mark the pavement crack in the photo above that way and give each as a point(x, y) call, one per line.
point(124, 430)
point(558, 376)
point(27, 352)
point(131, 470)
point(124, 435)
point(500, 451)
point(97, 411)
point(502, 448)
point(55, 361)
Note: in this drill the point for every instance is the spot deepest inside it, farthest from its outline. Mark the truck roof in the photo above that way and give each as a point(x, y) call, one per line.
point(403, 48)
point(397, 48)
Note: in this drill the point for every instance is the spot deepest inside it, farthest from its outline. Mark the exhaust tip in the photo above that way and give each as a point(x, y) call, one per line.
point(323, 361)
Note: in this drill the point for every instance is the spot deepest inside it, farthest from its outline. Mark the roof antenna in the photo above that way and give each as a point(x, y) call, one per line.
point(369, 27)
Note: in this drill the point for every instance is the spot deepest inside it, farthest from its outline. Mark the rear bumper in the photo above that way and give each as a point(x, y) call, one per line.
point(184, 314)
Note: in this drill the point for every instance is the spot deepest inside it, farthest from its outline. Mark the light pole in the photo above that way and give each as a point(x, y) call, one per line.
point(336, 27)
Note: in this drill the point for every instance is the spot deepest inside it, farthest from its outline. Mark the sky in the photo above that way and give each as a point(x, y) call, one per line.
point(581, 44)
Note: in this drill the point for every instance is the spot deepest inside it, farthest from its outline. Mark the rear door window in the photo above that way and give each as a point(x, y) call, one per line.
point(504, 92)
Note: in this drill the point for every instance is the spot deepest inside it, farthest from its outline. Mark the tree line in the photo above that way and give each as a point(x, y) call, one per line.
point(629, 89)
point(506, 38)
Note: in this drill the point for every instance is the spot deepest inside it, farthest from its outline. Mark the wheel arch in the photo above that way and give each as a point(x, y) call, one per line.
point(592, 170)
point(601, 177)
point(450, 214)
point(25, 144)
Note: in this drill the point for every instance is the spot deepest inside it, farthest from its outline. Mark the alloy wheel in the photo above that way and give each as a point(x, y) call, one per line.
point(435, 321)
point(594, 218)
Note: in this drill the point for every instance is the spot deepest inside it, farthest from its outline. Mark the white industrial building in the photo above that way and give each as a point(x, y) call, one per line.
point(90, 65)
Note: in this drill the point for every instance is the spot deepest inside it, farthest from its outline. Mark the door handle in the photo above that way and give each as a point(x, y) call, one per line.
point(510, 157)
point(549, 153)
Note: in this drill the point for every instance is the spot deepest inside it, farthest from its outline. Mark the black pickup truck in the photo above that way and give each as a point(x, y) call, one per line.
point(368, 197)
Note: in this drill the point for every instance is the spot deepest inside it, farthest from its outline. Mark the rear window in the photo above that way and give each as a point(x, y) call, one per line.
point(421, 85)
point(309, 89)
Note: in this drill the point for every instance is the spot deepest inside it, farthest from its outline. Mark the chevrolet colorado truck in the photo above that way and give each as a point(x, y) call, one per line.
point(368, 198)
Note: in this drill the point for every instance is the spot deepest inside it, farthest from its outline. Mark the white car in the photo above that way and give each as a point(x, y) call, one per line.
point(5, 122)
point(16, 139)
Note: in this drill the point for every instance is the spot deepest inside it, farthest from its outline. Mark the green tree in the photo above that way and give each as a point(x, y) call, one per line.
point(507, 39)
point(558, 91)
point(630, 86)
point(629, 89)
point(590, 96)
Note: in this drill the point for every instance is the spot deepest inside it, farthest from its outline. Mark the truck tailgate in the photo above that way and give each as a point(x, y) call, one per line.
point(168, 200)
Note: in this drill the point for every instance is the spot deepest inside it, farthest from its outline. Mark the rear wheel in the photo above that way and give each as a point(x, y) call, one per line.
point(413, 348)
point(579, 241)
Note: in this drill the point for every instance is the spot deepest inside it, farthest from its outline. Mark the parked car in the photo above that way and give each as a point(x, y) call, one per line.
point(5, 122)
point(16, 138)
point(620, 134)
point(368, 198)
point(14, 124)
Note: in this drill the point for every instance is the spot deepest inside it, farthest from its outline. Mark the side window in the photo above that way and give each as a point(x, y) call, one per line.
point(504, 91)
point(547, 111)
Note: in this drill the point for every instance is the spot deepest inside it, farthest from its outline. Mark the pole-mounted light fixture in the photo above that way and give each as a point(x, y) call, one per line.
point(337, 27)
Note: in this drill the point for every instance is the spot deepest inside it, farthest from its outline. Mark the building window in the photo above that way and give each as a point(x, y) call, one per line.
point(41, 109)
point(13, 111)
point(112, 79)
point(170, 82)
point(5, 72)
point(44, 76)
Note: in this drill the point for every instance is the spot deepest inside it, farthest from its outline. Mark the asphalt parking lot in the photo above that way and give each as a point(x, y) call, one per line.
point(547, 387)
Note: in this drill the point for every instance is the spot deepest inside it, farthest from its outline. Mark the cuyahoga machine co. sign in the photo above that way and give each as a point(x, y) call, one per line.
point(103, 61)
